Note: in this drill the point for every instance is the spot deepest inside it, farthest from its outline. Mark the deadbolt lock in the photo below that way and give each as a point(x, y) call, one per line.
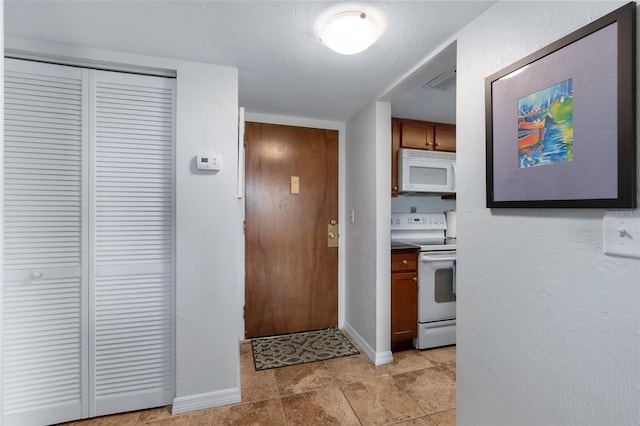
point(332, 233)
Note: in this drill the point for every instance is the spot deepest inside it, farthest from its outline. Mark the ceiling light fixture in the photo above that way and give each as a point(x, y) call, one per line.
point(349, 33)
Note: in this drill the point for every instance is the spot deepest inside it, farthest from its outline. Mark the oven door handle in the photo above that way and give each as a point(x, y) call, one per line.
point(437, 258)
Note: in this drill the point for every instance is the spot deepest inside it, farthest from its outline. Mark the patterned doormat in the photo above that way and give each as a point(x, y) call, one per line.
point(300, 348)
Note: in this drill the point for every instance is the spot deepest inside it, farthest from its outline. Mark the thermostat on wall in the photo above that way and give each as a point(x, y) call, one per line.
point(211, 162)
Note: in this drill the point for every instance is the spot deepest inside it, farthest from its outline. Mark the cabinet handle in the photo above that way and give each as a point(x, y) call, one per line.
point(395, 188)
point(415, 279)
point(404, 261)
point(437, 143)
point(36, 274)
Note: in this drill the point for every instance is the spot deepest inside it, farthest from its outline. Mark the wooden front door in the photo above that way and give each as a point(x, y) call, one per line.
point(291, 279)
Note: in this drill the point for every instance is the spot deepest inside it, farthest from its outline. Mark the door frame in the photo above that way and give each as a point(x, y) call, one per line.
point(317, 124)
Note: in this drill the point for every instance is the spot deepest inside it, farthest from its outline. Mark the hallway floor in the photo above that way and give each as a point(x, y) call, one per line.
point(418, 388)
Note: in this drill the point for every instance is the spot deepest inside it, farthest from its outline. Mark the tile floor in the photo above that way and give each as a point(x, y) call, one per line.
point(418, 388)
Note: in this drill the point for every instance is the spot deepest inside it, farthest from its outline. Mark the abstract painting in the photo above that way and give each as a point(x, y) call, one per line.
point(545, 126)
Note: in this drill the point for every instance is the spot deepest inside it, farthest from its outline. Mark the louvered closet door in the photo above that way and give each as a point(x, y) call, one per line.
point(44, 306)
point(132, 243)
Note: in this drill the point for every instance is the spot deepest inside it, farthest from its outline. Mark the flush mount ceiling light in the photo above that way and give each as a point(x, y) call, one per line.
point(349, 32)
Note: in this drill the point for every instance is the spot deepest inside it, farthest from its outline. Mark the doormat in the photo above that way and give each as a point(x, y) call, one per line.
point(300, 348)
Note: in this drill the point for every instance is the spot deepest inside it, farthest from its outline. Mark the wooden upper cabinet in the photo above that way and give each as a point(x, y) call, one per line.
point(445, 137)
point(427, 135)
point(416, 134)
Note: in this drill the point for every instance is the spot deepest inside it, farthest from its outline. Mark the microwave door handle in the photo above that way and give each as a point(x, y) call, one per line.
point(437, 258)
point(454, 277)
point(453, 165)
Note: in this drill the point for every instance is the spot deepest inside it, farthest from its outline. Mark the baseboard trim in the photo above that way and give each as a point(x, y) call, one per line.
point(385, 357)
point(185, 404)
point(377, 358)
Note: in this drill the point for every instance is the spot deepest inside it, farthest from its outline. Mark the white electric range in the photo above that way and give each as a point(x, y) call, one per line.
point(436, 274)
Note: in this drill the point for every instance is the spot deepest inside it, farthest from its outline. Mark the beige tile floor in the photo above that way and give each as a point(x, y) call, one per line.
point(418, 388)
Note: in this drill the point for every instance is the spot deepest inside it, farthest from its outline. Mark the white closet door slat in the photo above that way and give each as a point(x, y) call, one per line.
point(132, 243)
point(45, 332)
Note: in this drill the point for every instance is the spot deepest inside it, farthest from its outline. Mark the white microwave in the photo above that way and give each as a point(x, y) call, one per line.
point(426, 171)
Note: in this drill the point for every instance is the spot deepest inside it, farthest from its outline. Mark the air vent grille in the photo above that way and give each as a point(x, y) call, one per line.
point(443, 81)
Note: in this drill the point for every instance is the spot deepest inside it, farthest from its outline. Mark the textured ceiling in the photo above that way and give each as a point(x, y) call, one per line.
point(283, 68)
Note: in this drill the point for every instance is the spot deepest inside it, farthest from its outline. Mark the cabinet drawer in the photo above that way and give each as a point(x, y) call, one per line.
point(404, 261)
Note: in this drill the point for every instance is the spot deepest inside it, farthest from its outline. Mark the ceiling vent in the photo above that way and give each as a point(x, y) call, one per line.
point(443, 81)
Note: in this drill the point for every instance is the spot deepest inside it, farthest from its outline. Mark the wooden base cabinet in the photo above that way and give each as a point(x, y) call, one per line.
point(404, 296)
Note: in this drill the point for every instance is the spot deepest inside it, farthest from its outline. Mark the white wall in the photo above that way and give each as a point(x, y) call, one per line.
point(208, 231)
point(1, 194)
point(548, 325)
point(383, 232)
point(209, 223)
point(368, 270)
point(424, 103)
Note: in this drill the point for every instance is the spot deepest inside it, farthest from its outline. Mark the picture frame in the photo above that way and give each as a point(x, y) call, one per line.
point(538, 152)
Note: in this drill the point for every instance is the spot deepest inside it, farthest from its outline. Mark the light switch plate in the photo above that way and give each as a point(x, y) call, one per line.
point(622, 233)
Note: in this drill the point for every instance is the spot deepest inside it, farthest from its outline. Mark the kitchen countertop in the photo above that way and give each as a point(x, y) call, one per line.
point(403, 246)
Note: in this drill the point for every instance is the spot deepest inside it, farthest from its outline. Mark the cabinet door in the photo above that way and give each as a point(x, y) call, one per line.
point(416, 134)
point(44, 303)
point(404, 306)
point(445, 137)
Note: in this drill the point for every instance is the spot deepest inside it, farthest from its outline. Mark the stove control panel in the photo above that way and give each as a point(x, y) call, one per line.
point(418, 221)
